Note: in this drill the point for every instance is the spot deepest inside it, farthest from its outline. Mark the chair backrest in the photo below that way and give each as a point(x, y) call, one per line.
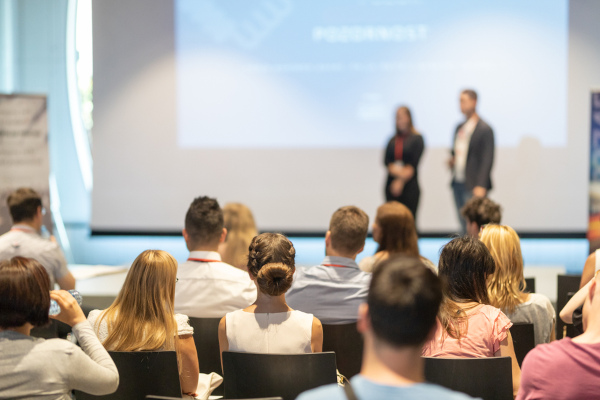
point(530, 285)
point(347, 344)
point(487, 378)
point(142, 373)
point(252, 375)
point(565, 284)
point(150, 397)
point(523, 336)
point(206, 337)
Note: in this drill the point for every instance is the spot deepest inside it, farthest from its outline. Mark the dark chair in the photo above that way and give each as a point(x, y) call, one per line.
point(179, 398)
point(523, 337)
point(252, 375)
point(142, 373)
point(206, 337)
point(487, 378)
point(347, 344)
point(565, 284)
point(530, 285)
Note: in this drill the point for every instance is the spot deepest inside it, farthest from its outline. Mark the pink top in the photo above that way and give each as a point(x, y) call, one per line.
point(487, 327)
point(562, 369)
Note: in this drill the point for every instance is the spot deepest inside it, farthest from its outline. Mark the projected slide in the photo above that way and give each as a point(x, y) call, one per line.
point(330, 73)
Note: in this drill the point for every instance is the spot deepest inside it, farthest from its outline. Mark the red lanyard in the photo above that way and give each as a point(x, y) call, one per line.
point(30, 230)
point(202, 260)
point(335, 265)
point(399, 148)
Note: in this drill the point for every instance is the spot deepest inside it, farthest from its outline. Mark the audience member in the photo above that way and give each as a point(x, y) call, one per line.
point(208, 287)
point(480, 211)
point(333, 290)
point(504, 285)
point(403, 301)
point(395, 231)
point(270, 325)
point(24, 238)
point(591, 267)
point(467, 325)
point(49, 369)
point(142, 317)
point(241, 228)
point(567, 368)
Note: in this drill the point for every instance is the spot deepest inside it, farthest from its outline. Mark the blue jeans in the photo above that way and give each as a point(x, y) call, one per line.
point(461, 196)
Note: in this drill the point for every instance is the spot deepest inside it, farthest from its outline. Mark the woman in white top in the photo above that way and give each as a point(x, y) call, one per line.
point(504, 285)
point(142, 318)
point(270, 325)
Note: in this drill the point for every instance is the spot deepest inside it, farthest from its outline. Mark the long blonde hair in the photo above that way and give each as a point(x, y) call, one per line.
point(241, 228)
point(504, 285)
point(142, 317)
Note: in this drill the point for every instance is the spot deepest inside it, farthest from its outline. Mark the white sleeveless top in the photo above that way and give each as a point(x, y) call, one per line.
point(279, 333)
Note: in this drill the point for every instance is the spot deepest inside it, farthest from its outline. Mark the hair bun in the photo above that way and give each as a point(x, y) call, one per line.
point(275, 279)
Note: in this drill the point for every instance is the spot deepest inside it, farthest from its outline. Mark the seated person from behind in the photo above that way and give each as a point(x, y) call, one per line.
point(333, 290)
point(49, 369)
point(142, 318)
point(270, 325)
point(467, 326)
point(395, 231)
point(567, 368)
point(24, 238)
point(480, 211)
point(504, 285)
point(400, 314)
point(241, 229)
point(208, 287)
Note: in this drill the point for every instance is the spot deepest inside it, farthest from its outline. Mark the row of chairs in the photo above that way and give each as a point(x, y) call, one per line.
point(260, 376)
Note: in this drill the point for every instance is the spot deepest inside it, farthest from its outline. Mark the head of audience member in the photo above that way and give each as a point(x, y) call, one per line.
point(465, 264)
point(146, 298)
point(239, 222)
point(24, 294)
point(591, 308)
point(480, 211)
point(347, 232)
point(468, 102)
point(404, 121)
point(402, 305)
point(504, 285)
point(271, 263)
point(204, 225)
point(394, 230)
point(25, 207)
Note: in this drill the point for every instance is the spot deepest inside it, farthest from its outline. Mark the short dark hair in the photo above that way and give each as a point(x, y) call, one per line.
point(465, 263)
point(482, 211)
point(471, 93)
point(272, 261)
point(348, 228)
point(404, 299)
point(204, 221)
point(23, 204)
point(24, 293)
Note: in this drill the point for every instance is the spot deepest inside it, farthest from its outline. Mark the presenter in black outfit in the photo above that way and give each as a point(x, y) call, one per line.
point(402, 157)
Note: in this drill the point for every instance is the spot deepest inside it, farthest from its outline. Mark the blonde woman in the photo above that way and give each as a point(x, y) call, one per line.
point(504, 285)
point(239, 222)
point(142, 318)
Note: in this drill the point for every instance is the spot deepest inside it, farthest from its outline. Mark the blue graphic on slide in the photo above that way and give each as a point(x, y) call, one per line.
point(330, 73)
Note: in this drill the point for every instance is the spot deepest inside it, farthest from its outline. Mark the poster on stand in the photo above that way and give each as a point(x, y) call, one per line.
point(24, 158)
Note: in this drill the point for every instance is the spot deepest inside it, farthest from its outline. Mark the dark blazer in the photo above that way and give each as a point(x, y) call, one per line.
point(480, 157)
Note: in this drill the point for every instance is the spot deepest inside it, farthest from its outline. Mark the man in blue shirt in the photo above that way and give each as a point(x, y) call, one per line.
point(400, 314)
point(333, 290)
